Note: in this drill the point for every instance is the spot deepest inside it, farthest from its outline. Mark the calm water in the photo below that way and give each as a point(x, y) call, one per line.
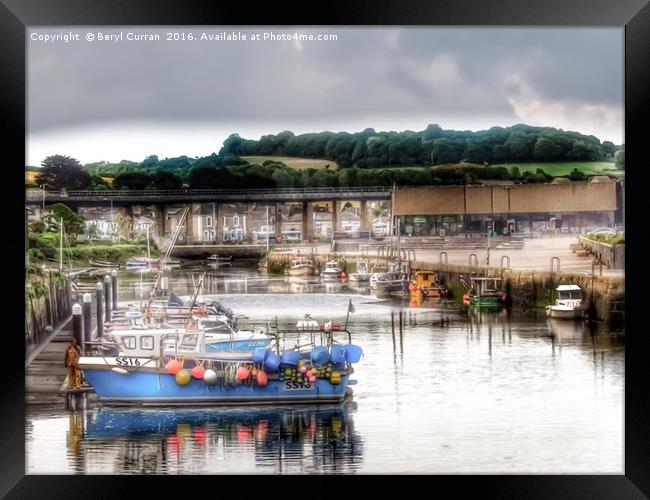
point(450, 393)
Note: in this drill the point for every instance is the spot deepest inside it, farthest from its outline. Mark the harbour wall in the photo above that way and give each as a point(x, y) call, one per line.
point(604, 295)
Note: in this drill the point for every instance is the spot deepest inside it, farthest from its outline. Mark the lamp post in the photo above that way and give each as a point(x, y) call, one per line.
point(42, 186)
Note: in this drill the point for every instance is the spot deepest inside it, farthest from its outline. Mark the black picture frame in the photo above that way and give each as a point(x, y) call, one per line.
point(15, 15)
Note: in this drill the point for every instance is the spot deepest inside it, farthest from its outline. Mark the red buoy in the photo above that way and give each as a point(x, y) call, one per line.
point(242, 373)
point(262, 378)
point(197, 372)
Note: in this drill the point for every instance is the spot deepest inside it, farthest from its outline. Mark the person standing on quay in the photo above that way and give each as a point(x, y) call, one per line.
point(72, 355)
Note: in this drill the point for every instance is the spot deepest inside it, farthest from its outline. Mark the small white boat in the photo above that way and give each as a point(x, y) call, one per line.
point(332, 270)
point(220, 261)
point(361, 273)
point(568, 304)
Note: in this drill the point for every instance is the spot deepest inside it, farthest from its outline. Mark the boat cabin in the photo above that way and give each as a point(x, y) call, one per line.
point(569, 295)
point(426, 279)
point(485, 286)
point(362, 267)
point(332, 265)
point(301, 262)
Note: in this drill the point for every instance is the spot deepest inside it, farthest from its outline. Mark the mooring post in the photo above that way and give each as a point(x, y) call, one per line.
point(99, 289)
point(88, 322)
point(114, 288)
point(107, 299)
point(77, 323)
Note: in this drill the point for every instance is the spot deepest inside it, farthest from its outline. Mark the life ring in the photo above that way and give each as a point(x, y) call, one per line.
point(466, 299)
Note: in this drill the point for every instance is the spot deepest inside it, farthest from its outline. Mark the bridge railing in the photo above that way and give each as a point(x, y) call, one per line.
point(37, 194)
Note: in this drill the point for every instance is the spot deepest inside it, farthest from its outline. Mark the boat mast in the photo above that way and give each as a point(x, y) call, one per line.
point(61, 247)
point(148, 250)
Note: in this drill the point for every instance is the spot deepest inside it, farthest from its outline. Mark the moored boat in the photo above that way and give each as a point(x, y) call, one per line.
point(301, 267)
point(143, 263)
point(104, 263)
point(425, 285)
point(568, 304)
point(485, 292)
point(148, 373)
point(221, 260)
point(361, 273)
point(332, 270)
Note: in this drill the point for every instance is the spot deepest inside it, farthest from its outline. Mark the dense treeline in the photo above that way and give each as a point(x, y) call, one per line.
point(429, 147)
point(366, 158)
point(215, 173)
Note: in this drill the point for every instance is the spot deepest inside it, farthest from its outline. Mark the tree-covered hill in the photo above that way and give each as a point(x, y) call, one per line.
point(519, 143)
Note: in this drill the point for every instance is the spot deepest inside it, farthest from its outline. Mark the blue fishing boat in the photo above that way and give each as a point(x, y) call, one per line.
point(151, 371)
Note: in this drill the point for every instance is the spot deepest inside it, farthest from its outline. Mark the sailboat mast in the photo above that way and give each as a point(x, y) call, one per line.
point(148, 250)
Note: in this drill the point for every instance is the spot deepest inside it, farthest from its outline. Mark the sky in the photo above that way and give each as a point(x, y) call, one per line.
point(125, 99)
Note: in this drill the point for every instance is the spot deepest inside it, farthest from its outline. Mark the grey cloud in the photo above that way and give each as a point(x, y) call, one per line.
point(366, 72)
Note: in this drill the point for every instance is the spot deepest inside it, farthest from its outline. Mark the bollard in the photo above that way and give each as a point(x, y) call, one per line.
point(99, 288)
point(77, 324)
point(88, 319)
point(114, 288)
point(107, 299)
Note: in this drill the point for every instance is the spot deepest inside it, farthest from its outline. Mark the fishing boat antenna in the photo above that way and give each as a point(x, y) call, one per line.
point(174, 238)
point(196, 293)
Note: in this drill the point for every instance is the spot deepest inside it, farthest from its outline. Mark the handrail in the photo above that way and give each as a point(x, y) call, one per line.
point(39, 193)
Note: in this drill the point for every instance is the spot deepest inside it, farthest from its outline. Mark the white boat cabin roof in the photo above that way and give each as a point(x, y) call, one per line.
point(566, 288)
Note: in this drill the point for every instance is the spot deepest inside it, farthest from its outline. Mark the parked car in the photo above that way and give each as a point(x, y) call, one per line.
point(606, 231)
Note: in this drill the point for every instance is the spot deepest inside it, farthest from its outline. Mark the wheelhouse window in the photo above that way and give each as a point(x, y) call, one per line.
point(146, 342)
point(129, 342)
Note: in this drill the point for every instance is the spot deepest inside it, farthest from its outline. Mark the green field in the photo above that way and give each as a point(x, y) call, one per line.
point(556, 169)
point(297, 163)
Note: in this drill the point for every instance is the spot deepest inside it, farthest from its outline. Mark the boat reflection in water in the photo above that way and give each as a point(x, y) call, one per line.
point(315, 438)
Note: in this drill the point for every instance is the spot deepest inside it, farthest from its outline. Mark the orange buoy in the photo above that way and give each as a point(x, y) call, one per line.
point(466, 299)
point(173, 366)
point(343, 275)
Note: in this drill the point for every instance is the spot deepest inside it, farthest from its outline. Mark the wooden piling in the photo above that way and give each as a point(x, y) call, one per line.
point(87, 320)
point(114, 288)
point(107, 298)
point(99, 289)
point(77, 323)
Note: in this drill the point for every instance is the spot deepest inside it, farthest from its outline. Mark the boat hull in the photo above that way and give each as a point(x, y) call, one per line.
point(488, 301)
point(396, 287)
point(562, 313)
point(330, 275)
point(301, 271)
point(156, 388)
point(359, 277)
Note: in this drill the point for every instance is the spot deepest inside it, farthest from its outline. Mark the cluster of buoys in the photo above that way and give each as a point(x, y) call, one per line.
point(183, 376)
point(250, 373)
point(321, 363)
